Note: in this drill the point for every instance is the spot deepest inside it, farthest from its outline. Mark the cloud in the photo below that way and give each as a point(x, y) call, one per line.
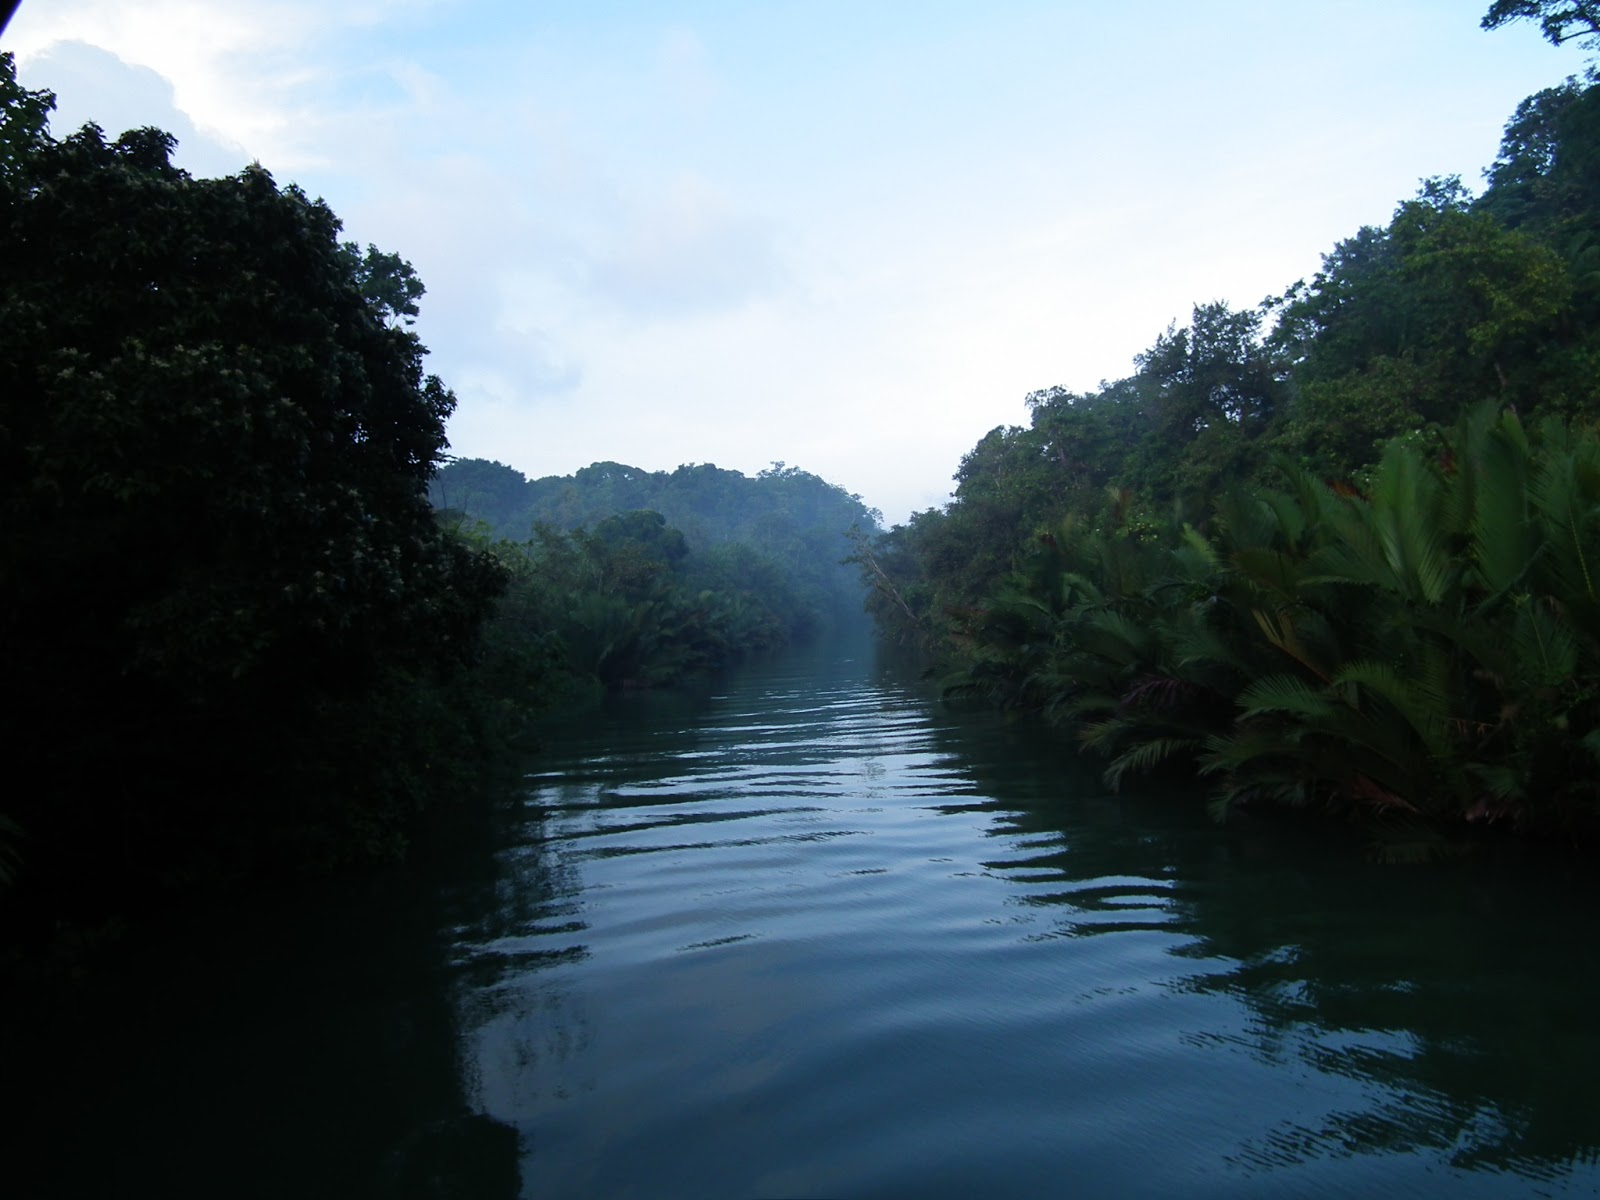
point(763, 239)
point(214, 56)
point(257, 74)
point(687, 250)
point(95, 86)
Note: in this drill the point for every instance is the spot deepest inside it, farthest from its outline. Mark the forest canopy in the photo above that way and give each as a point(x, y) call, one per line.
point(1336, 550)
point(248, 642)
point(226, 597)
point(643, 577)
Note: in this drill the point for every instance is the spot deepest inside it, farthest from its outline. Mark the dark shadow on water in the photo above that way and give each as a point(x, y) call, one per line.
point(299, 1043)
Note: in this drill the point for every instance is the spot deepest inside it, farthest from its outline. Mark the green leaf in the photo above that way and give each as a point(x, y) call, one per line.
point(1146, 755)
point(1285, 694)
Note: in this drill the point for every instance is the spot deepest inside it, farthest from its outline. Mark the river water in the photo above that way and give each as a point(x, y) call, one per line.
point(814, 934)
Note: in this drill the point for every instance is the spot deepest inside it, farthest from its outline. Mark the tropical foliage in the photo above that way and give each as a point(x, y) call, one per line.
point(1428, 651)
point(777, 535)
point(1339, 551)
point(237, 632)
point(245, 639)
point(627, 605)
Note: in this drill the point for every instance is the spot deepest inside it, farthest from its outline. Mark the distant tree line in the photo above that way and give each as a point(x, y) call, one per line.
point(244, 643)
point(607, 595)
point(1341, 550)
point(773, 542)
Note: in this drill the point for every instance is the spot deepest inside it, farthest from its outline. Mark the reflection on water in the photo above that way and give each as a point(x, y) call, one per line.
point(816, 935)
point(298, 1044)
point(819, 936)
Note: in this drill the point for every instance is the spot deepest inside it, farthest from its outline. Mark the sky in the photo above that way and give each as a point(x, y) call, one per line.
point(850, 237)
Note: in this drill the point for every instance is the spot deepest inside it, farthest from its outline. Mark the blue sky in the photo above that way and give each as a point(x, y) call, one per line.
point(851, 237)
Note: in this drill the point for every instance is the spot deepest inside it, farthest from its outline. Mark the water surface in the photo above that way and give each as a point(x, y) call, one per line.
point(814, 934)
point(821, 936)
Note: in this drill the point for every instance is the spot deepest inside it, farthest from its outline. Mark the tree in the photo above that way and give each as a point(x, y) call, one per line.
point(1545, 173)
point(489, 491)
point(386, 281)
point(222, 590)
point(1403, 325)
point(1560, 20)
point(1211, 372)
point(784, 515)
point(1086, 438)
point(24, 118)
point(1207, 393)
point(1545, 183)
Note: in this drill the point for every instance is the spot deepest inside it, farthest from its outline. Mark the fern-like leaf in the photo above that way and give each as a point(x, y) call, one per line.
point(1284, 694)
point(1146, 755)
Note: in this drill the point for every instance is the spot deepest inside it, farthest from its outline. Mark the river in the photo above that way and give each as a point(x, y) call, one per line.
point(812, 933)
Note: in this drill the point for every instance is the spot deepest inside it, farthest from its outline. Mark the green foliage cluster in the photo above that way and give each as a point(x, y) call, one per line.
point(246, 640)
point(772, 542)
point(626, 605)
point(1429, 650)
point(1311, 548)
point(238, 632)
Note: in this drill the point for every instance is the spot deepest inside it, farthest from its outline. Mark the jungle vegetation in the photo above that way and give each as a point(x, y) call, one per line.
point(1341, 550)
point(624, 578)
point(244, 642)
point(235, 626)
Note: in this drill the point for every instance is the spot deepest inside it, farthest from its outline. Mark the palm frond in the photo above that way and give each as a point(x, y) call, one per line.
point(1504, 540)
point(1278, 628)
point(1285, 694)
point(1422, 708)
point(1146, 755)
point(1505, 781)
point(1546, 650)
point(1116, 637)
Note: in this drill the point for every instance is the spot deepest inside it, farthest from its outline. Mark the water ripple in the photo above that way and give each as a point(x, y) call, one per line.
point(830, 939)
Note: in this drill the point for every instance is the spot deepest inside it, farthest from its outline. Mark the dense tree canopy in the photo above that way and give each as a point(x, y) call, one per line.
point(1333, 551)
point(222, 581)
point(788, 520)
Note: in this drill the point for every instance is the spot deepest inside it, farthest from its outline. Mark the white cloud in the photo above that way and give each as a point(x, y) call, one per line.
point(252, 73)
point(223, 61)
point(93, 85)
point(823, 234)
